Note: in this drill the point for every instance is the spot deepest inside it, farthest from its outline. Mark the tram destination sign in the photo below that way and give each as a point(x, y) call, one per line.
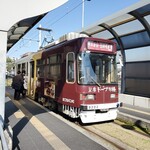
point(97, 45)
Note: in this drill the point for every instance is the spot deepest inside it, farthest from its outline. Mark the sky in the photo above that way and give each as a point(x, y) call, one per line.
point(67, 18)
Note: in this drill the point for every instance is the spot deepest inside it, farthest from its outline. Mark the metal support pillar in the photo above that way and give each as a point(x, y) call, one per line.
point(123, 56)
point(3, 40)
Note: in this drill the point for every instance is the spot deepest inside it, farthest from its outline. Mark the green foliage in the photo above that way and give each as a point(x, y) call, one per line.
point(9, 64)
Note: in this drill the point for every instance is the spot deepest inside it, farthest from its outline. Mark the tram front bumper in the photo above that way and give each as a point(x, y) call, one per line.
point(93, 116)
point(91, 113)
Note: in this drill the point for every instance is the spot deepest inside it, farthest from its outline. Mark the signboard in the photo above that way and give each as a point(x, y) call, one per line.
point(97, 45)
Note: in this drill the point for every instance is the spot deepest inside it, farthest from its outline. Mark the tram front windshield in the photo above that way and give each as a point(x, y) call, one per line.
point(96, 68)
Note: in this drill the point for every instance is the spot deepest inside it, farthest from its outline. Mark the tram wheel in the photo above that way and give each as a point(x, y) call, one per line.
point(52, 105)
point(24, 93)
point(36, 97)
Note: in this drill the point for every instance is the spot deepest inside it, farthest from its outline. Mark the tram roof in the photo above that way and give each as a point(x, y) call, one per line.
point(129, 27)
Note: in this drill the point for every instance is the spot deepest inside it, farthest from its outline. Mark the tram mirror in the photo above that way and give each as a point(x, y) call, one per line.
point(120, 60)
point(79, 57)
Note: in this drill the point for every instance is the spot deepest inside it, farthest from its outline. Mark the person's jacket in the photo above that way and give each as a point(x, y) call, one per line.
point(17, 82)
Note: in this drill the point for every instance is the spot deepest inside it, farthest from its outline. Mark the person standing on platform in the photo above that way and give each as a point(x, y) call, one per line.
point(17, 84)
point(23, 88)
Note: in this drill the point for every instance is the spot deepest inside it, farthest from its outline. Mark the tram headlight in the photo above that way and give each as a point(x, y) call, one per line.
point(87, 96)
point(113, 96)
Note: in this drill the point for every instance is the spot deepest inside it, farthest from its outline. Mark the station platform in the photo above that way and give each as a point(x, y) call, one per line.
point(35, 127)
point(135, 115)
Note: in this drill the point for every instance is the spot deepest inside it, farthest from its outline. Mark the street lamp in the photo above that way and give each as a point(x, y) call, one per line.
point(83, 12)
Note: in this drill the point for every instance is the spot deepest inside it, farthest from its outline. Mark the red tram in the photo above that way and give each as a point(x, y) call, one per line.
point(78, 77)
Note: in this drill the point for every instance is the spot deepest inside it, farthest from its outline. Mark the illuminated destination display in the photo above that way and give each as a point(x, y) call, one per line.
point(95, 45)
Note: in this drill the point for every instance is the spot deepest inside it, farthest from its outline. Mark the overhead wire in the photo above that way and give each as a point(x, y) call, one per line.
point(54, 22)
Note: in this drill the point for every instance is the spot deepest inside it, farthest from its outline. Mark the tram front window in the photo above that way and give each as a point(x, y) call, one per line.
point(96, 68)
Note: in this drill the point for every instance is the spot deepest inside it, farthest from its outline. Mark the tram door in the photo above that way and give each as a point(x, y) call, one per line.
point(31, 87)
point(69, 87)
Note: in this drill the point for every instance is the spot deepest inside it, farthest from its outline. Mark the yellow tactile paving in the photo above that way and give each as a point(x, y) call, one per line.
point(51, 138)
point(19, 114)
point(48, 135)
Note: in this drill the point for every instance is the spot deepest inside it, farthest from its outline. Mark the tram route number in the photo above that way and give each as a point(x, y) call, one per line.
point(94, 107)
point(90, 107)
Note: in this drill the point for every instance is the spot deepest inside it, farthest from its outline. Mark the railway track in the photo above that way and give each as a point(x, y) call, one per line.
point(112, 142)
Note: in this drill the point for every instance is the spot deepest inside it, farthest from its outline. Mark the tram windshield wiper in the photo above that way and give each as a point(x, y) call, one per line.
point(94, 80)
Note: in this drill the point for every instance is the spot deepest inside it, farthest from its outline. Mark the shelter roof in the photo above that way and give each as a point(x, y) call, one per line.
point(18, 30)
point(130, 27)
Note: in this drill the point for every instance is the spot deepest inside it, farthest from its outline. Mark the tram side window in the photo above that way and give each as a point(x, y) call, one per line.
point(41, 71)
point(70, 67)
point(32, 69)
point(38, 72)
point(55, 66)
point(46, 68)
point(23, 67)
point(40, 68)
point(18, 68)
point(27, 70)
point(55, 71)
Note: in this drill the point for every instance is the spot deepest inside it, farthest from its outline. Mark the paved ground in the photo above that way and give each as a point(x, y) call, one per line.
point(122, 135)
point(37, 128)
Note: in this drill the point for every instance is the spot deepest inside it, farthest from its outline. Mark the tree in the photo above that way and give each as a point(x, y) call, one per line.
point(10, 63)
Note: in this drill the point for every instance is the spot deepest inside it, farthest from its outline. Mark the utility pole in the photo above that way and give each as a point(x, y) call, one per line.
point(40, 36)
point(82, 13)
point(83, 1)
